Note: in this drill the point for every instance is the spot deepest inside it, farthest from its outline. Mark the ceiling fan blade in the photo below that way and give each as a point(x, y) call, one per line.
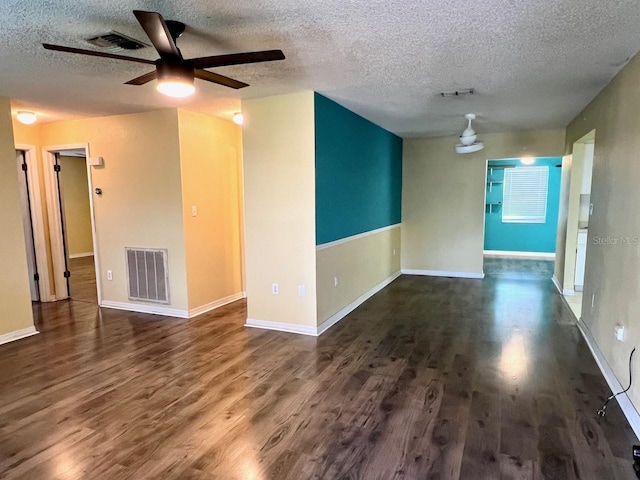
point(142, 79)
point(238, 58)
point(158, 32)
point(219, 79)
point(81, 51)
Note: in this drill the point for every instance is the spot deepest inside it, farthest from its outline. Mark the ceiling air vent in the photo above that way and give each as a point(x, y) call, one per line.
point(116, 42)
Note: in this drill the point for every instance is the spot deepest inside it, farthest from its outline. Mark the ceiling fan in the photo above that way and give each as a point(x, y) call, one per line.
point(174, 73)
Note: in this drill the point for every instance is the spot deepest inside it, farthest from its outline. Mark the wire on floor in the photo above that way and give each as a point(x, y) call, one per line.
point(603, 411)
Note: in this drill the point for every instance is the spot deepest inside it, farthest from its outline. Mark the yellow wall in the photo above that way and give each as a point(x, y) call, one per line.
point(77, 213)
point(443, 196)
point(279, 185)
point(141, 204)
point(612, 268)
point(210, 162)
point(15, 297)
point(359, 264)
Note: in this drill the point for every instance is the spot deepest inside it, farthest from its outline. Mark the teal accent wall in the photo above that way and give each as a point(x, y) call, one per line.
point(523, 237)
point(358, 173)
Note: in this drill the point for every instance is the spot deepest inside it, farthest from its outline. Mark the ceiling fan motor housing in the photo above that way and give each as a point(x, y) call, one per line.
point(175, 71)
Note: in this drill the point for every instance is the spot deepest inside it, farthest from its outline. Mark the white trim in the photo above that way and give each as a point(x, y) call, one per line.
point(556, 282)
point(443, 273)
point(282, 327)
point(355, 237)
point(18, 334)
point(194, 312)
point(153, 309)
point(37, 221)
point(335, 318)
point(532, 255)
point(324, 326)
point(81, 255)
point(568, 291)
point(623, 400)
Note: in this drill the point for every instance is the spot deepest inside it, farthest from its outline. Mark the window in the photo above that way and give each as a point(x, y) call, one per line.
point(525, 195)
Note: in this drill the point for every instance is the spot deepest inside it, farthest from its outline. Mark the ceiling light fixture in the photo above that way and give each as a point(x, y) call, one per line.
point(238, 118)
point(175, 80)
point(468, 143)
point(527, 160)
point(26, 117)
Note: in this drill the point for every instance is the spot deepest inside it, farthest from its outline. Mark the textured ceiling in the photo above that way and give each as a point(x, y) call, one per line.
point(534, 64)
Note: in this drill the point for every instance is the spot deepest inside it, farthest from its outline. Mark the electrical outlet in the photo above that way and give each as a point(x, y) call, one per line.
point(194, 211)
point(301, 291)
point(109, 275)
point(591, 209)
point(335, 281)
point(275, 289)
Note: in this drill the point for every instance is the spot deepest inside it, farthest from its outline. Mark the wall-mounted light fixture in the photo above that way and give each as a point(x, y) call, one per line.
point(527, 160)
point(238, 118)
point(26, 117)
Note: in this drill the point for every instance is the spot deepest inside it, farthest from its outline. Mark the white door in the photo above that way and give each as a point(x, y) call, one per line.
point(27, 226)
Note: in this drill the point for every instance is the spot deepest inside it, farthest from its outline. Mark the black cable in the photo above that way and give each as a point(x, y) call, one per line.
point(602, 412)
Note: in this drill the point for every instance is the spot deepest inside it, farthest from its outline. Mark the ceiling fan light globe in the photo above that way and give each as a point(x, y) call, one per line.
point(468, 139)
point(175, 88)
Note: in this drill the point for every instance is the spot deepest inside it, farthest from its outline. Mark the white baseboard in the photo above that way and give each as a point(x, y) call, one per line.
point(523, 255)
point(17, 335)
point(80, 255)
point(153, 309)
point(442, 273)
point(335, 318)
point(282, 327)
point(324, 326)
point(556, 282)
point(623, 400)
point(194, 312)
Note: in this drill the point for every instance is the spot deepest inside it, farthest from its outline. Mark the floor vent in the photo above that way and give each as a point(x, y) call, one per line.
point(148, 274)
point(116, 42)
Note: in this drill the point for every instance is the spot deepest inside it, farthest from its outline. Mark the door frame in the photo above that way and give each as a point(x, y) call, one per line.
point(55, 221)
point(37, 221)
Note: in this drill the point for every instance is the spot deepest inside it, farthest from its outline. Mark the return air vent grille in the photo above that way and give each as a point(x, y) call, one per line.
point(148, 274)
point(116, 42)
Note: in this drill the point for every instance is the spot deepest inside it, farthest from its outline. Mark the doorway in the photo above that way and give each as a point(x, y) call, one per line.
point(72, 223)
point(577, 211)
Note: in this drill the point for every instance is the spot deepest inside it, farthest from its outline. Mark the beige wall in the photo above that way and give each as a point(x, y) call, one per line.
point(443, 196)
point(77, 212)
point(612, 271)
point(279, 185)
point(142, 201)
point(359, 264)
point(210, 161)
point(15, 297)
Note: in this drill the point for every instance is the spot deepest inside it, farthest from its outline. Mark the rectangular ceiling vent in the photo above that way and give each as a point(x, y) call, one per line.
point(147, 271)
point(116, 42)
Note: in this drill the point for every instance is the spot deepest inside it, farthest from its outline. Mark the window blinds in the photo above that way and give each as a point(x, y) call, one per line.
point(525, 195)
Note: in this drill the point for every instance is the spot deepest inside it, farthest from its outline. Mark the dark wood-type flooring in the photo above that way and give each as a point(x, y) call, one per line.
point(432, 378)
point(82, 283)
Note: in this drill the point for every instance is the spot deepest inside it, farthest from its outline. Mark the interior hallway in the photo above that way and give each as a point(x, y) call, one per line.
point(431, 378)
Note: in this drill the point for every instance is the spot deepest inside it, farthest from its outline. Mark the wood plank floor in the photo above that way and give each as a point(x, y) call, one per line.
point(432, 378)
point(82, 283)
